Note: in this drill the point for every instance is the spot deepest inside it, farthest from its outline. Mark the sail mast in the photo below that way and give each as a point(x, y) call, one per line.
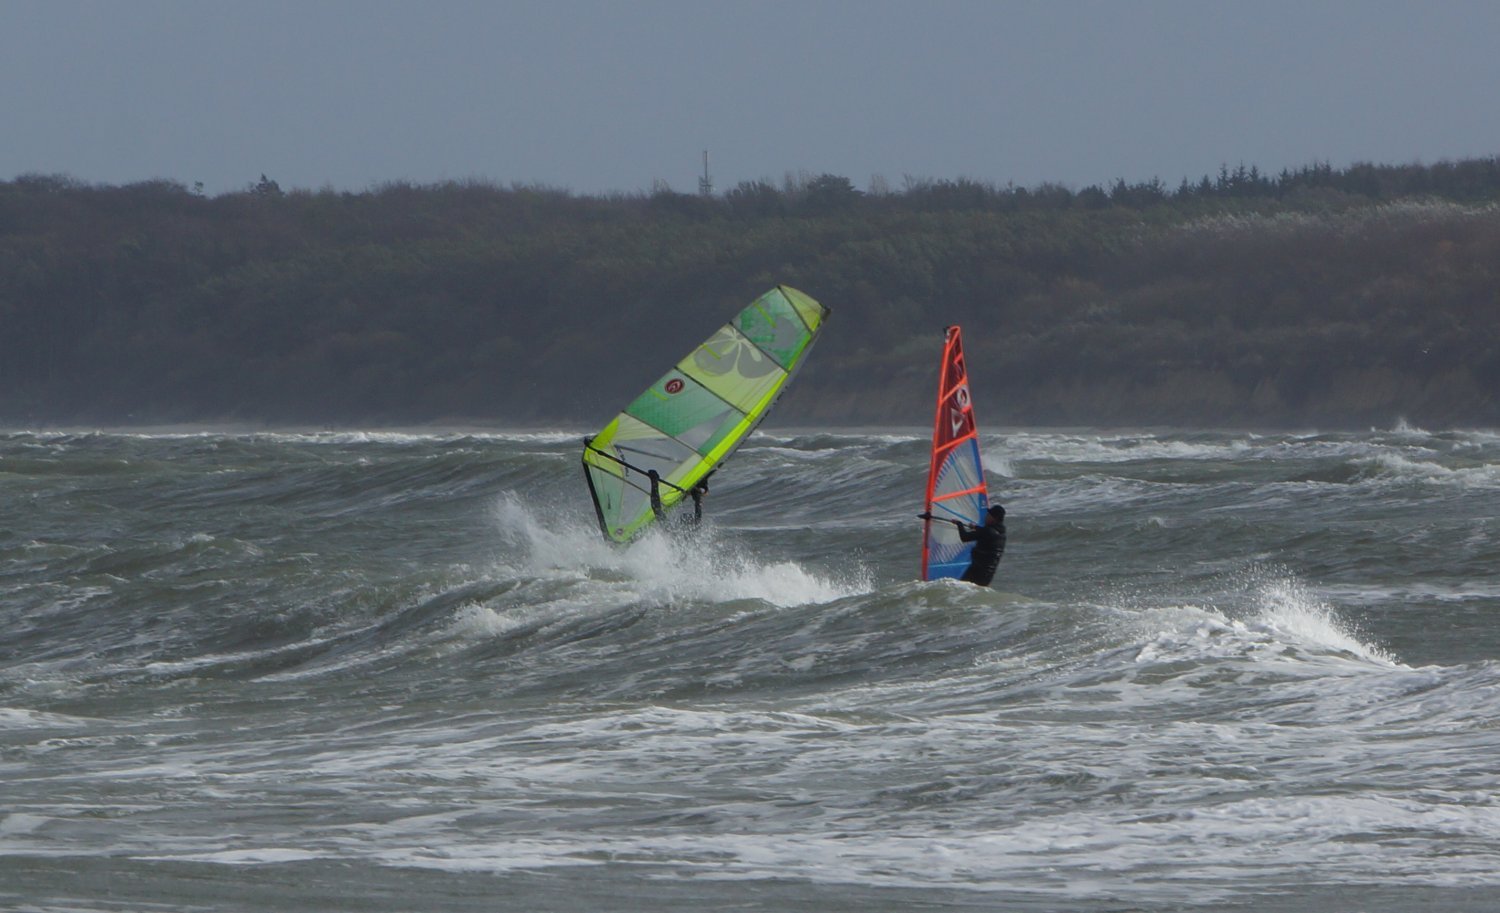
point(956, 487)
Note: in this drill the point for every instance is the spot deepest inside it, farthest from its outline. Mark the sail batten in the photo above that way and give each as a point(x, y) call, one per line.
point(691, 420)
point(956, 487)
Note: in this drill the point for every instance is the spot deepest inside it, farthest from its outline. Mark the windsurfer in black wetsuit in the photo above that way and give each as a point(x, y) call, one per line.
point(989, 544)
point(656, 507)
point(698, 492)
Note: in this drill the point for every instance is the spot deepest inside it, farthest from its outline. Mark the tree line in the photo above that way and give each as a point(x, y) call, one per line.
point(1318, 296)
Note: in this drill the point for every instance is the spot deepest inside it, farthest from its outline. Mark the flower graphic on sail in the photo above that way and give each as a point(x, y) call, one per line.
point(728, 352)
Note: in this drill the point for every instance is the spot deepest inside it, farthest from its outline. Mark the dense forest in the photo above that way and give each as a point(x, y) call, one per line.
point(1327, 297)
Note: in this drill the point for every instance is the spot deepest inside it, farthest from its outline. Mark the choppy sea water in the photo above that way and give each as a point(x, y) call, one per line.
point(345, 671)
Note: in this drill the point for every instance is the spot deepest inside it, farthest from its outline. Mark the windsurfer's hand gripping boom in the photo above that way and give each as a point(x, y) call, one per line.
point(697, 492)
point(648, 473)
point(958, 523)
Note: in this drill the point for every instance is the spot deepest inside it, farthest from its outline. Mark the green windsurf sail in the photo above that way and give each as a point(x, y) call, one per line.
point(693, 418)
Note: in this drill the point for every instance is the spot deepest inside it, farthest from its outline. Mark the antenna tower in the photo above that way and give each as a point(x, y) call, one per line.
point(705, 183)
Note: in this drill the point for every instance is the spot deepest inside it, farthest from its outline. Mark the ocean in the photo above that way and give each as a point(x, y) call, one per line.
point(1218, 671)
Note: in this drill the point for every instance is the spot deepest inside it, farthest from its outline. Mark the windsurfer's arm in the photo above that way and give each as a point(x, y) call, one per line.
point(656, 507)
point(958, 523)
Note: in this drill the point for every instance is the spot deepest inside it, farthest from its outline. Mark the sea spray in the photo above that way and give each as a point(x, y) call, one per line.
point(408, 673)
point(1289, 608)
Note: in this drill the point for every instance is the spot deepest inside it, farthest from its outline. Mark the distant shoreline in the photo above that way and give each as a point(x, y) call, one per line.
point(246, 429)
point(1320, 298)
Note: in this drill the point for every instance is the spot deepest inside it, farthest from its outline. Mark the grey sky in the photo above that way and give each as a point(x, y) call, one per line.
point(600, 96)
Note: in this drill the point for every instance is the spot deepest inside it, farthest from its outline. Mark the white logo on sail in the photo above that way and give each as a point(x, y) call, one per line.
point(956, 411)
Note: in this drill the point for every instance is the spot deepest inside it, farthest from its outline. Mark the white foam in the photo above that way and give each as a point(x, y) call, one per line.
point(1469, 591)
point(1106, 448)
point(260, 856)
point(20, 823)
point(1082, 854)
point(997, 465)
point(17, 718)
point(1279, 612)
point(483, 621)
point(1289, 608)
point(660, 566)
point(845, 438)
point(1397, 467)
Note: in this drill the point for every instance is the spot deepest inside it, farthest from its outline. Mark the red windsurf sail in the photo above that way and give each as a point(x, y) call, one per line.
point(955, 477)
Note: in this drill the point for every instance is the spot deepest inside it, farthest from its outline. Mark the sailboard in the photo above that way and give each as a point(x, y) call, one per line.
point(955, 476)
point(688, 422)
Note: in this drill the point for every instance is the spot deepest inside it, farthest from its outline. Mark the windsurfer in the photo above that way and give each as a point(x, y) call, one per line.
point(698, 492)
point(656, 507)
point(989, 544)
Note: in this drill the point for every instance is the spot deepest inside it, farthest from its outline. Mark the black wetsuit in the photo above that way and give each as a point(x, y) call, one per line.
point(697, 492)
point(989, 545)
point(656, 507)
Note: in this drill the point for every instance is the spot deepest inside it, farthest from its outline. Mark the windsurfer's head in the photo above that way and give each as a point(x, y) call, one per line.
point(997, 514)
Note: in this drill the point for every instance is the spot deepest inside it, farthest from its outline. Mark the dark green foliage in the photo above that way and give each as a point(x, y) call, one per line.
point(1322, 296)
